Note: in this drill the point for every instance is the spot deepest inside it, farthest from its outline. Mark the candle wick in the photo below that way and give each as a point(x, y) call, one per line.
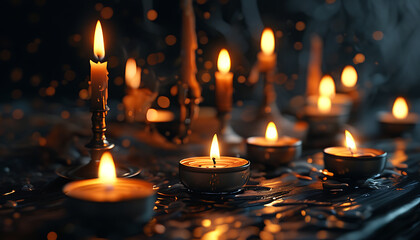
point(214, 161)
point(351, 151)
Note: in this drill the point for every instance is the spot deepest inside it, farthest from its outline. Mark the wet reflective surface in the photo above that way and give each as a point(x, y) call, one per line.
point(300, 201)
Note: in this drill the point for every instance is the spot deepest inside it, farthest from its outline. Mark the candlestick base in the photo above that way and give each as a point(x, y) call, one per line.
point(90, 170)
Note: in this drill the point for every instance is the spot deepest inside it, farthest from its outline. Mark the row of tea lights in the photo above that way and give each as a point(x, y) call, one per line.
point(109, 197)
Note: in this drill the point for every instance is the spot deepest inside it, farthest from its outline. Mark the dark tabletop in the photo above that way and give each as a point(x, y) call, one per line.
point(291, 202)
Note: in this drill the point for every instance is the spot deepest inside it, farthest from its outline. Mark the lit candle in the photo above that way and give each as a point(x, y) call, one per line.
point(400, 120)
point(138, 100)
point(354, 162)
point(266, 58)
point(99, 73)
point(349, 78)
point(214, 174)
point(110, 197)
point(224, 87)
point(324, 118)
point(273, 150)
point(326, 88)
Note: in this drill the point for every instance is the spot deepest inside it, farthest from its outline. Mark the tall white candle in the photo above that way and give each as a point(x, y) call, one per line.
point(224, 86)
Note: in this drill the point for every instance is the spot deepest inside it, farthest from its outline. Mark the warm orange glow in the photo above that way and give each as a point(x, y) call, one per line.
point(350, 143)
point(132, 74)
point(223, 61)
point(107, 173)
point(327, 86)
point(349, 76)
point(324, 104)
point(271, 132)
point(400, 108)
point(98, 42)
point(214, 150)
point(267, 41)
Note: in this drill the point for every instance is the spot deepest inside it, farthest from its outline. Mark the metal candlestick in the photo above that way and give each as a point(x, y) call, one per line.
point(97, 146)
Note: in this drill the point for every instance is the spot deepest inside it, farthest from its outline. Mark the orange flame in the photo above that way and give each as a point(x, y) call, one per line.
point(327, 86)
point(214, 150)
point(223, 61)
point(132, 74)
point(350, 143)
point(267, 41)
point(400, 108)
point(107, 173)
point(349, 76)
point(271, 132)
point(98, 42)
point(324, 104)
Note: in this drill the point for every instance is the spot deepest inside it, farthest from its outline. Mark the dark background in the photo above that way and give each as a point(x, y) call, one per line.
point(45, 46)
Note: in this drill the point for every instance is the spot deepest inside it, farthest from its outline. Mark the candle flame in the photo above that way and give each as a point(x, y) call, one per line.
point(327, 86)
point(350, 143)
point(267, 41)
point(98, 42)
point(400, 108)
point(223, 61)
point(271, 132)
point(107, 173)
point(132, 74)
point(151, 115)
point(214, 150)
point(324, 104)
point(349, 76)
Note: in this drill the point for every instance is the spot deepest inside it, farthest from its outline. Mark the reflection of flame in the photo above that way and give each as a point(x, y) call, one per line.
point(327, 86)
point(350, 143)
point(151, 115)
point(324, 104)
point(400, 108)
point(107, 173)
point(267, 41)
point(214, 150)
point(132, 74)
point(271, 132)
point(223, 61)
point(349, 76)
point(98, 42)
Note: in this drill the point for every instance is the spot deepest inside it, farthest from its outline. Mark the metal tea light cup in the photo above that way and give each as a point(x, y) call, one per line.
point(214, 180)
point(355, 167)
point(273, 155)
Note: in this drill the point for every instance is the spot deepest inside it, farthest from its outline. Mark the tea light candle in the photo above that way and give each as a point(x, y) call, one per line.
point(400, 121)
point(272, 150)
point(266, 58)
point(99, 73)
point(109, 198)
point(224, 86)
point(353, 162)
point(214, 174)
point(327, 89)
point(325, 119)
